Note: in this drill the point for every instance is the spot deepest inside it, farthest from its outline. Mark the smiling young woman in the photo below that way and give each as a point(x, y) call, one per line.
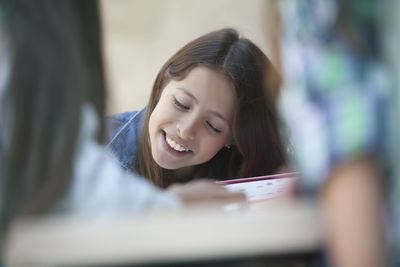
point(211, 113)
point(192, 120)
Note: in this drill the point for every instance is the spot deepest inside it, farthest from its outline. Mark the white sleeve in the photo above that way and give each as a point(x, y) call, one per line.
point(101, 186)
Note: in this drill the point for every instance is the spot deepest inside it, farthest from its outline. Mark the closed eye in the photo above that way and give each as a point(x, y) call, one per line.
point(180, 105)
point(213, 128)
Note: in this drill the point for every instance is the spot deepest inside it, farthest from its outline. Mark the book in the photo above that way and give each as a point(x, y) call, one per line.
point(262, 187)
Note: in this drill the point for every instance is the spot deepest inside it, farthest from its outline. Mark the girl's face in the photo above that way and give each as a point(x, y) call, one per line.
point(192, 120)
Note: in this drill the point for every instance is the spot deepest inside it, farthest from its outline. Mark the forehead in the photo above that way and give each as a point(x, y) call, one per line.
point(211, 89)
point(201, 80)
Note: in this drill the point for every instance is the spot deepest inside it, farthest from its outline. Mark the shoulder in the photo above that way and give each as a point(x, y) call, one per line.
point(115, 122)
point(123, 133)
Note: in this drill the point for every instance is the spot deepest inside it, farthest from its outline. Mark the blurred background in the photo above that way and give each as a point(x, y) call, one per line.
point(140, 35)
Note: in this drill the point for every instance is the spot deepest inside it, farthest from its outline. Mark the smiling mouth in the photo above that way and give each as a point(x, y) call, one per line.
point(174, 145)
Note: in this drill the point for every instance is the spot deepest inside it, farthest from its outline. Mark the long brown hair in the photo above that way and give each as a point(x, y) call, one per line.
point(257, 148)
point(55, 65)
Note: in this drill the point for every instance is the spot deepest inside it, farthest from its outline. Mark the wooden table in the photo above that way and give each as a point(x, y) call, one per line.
point(201, 234)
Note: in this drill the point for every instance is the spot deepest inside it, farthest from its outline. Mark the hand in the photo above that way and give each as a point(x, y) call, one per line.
point(204, 190)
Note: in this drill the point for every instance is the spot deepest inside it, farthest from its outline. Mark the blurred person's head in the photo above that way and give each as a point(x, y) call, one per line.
point(212, 107)
point(52, 66)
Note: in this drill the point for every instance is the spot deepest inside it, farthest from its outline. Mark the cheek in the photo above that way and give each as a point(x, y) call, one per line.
point(161, 115)
point(212, 146)
point(153, 122)
point(162, 112)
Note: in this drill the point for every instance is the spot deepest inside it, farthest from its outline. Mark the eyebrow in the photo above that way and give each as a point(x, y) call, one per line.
point(195, 100)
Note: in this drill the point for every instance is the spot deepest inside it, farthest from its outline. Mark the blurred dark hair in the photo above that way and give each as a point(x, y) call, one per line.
point(55, 65)
point(257, 146)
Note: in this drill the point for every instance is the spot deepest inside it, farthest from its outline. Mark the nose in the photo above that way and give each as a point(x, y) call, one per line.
point(187, 127)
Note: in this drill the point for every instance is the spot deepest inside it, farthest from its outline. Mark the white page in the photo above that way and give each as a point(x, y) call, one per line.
point(263, 189)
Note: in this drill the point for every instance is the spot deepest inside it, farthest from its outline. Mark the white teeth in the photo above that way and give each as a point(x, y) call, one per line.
point(174, 145)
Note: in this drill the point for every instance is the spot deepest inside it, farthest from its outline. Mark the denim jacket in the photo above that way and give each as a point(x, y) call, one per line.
point(123, 133)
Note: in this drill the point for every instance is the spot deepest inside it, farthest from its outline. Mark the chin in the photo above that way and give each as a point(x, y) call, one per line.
point(165, 165)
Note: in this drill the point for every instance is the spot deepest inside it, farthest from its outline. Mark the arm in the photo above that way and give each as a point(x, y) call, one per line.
point(352, 201)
